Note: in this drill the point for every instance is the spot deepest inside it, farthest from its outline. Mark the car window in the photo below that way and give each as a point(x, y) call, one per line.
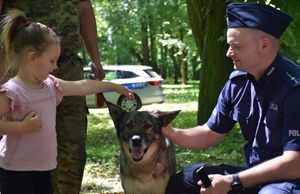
point(110, 74)
point(152, 73)
point(119, 74)
point(116, 73)
point(128, 74)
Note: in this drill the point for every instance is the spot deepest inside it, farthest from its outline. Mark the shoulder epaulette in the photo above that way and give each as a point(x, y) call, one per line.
point(236, 73)
point(291, 73)
point(292, 78)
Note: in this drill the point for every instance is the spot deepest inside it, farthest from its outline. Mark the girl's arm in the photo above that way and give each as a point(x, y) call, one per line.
point(4, 104)
point(32, 122)
point(87, 87)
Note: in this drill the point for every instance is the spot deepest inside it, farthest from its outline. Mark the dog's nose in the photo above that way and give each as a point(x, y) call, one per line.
point(136, 140)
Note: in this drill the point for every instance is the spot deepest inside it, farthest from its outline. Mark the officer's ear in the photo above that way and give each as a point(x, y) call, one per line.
point(268, 42)
point(264, 42)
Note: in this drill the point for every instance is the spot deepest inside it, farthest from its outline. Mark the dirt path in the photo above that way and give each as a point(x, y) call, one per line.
point(101, 185)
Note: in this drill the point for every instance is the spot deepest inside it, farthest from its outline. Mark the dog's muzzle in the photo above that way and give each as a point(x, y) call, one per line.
point(137, 147)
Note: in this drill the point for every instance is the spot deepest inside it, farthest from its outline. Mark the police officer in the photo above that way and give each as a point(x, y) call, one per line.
point(73, 21)
point(262, 95)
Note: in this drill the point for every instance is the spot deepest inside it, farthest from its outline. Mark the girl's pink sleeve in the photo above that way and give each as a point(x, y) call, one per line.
point(58, 89)
point(9, 93)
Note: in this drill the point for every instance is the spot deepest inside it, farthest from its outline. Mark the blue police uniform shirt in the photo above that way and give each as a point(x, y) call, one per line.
point(267, 110)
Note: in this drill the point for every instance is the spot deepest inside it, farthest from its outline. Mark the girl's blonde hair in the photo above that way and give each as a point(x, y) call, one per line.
point(19, 36)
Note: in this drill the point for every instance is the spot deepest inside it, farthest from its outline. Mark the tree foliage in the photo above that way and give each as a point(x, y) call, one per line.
point(148, 32)
point(207, 22)
point(178, 38)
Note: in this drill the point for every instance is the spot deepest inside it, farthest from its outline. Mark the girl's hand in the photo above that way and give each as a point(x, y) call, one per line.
point(32, 122)
point(125, 91)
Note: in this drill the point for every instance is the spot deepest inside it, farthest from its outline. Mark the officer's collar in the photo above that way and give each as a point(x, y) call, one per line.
point(267, 76)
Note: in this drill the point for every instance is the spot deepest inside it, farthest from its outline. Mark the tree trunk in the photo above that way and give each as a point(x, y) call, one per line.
point(175, 64)
point(153, 47)
point(183, 59)
point(138, 57)
point(208, 23)
point(195, 68)
point(184, 67)
point(145, 43)
point(163, 61)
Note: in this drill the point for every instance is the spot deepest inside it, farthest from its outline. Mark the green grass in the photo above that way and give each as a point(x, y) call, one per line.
point(181, 93)
point(103, 147)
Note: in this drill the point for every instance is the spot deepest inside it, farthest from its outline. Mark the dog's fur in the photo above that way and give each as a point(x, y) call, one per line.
point(147, 158)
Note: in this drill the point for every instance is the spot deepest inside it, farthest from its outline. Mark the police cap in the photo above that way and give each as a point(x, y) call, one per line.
point(259, 16)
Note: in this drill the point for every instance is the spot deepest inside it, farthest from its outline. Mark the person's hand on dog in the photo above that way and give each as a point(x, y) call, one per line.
point(219, 184)
point(168, 131)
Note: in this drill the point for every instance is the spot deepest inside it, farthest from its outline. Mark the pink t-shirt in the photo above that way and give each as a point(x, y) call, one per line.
point(35, 151)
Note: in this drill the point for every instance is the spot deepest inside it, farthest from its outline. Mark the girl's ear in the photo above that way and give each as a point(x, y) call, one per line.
point(31, 56)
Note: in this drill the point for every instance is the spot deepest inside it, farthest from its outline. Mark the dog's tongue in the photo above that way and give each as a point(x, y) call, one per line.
point(137, 154)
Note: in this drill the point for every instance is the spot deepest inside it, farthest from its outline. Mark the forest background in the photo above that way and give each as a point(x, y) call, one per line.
point(181, 39)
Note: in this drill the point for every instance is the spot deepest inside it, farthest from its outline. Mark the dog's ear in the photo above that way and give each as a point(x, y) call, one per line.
point(116, 112)
point(167, 117)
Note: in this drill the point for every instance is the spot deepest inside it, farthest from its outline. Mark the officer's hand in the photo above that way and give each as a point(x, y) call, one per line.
point(219, 184)
point(168, 131)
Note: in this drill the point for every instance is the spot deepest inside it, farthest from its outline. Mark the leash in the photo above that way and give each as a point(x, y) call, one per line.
point(100, 99)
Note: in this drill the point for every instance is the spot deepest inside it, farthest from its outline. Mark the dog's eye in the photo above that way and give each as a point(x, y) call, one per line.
point(129, 125)
point(147, 125)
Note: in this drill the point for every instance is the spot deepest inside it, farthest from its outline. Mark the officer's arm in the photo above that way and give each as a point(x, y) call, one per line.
point(197, 138)
point(285, 167)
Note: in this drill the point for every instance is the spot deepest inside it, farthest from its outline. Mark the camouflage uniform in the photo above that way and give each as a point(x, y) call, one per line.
point(71, 122)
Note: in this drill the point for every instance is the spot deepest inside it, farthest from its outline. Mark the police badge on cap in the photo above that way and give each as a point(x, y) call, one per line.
point(259, 16)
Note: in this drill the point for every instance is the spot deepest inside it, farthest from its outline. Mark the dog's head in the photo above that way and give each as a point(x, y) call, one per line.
point(139, 131)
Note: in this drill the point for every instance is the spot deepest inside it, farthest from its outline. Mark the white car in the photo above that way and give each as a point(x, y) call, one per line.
point(142, 80)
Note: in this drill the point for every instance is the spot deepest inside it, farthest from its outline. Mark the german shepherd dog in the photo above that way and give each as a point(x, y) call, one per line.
point(147, 158)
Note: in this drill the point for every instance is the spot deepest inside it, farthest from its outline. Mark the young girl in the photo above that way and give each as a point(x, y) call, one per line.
point(28, 103)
